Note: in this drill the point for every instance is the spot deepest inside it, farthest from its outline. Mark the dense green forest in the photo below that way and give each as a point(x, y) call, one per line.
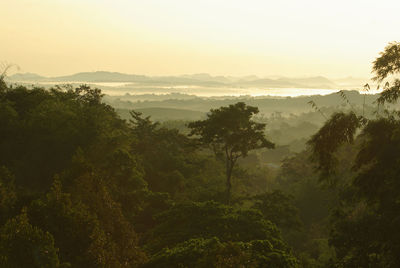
point(83, 186)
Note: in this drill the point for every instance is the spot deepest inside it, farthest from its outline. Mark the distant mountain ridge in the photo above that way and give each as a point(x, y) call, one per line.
point(201, 79)
point(26, 77)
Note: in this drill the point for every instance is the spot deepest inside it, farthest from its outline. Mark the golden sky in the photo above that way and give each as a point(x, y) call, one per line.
point(221, 37)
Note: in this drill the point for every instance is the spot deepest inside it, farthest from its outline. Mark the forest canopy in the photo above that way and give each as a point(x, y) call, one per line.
point(92, 190)
point(82, 187)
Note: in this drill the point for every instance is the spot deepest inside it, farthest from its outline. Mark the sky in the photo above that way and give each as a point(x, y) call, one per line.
point(221, 37)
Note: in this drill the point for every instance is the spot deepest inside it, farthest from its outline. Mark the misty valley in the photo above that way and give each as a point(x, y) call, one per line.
point(180, 180)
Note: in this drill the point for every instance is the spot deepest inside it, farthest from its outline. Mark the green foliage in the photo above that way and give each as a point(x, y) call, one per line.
point(365, 225)
point(375, 210)
point(388, 62)
point(151, 204)
point(104, 192)
point(23, 245)
point(71, 135)
point(279, 209)
point(339, 129)
point(166, 154)
point(214, 253)
point(8, 195)
point(359, 238)
point(231, 134)
point(44, 129)
point(210, 219)
point(231, 129)
point(390, 94)
point(385, 65)
point(314, 202)
point(74, 228)
point(121, 241)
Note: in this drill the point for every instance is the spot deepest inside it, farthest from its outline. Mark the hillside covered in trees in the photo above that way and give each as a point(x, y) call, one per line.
point(81, 186)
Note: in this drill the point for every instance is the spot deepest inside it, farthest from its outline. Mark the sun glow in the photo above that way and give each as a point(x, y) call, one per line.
point(293, 38)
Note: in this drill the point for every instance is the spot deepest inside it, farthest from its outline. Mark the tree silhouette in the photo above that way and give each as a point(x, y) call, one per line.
point(231, 133)
point(365, 225)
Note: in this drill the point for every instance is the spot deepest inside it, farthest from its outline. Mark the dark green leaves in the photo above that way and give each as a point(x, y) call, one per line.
point(390, 94)
point(339, 129)
point(211, 219)
point(23, 245)
point(388, 63)
point(231, 128)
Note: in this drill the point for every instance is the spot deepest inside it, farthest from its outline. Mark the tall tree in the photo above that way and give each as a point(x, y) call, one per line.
point(365, 225)
point(231, 133)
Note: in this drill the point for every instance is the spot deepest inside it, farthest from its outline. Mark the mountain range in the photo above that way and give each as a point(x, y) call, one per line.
point(202, 79)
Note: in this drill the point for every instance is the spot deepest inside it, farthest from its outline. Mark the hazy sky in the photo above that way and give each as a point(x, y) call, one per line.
point(164, 37)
